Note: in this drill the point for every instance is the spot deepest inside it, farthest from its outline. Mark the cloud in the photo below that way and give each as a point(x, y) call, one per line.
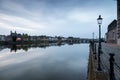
point(8, 21)
point(55, 17)
point(82, 16)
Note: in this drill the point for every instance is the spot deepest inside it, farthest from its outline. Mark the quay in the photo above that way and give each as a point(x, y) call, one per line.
point(109, 62)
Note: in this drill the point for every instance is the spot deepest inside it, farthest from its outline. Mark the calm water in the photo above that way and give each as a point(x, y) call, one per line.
point(68, 62)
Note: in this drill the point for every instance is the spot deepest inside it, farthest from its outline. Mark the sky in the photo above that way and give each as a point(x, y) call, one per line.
point(65, 18)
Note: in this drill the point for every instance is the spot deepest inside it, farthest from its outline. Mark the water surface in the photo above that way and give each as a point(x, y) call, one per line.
point(68, 62)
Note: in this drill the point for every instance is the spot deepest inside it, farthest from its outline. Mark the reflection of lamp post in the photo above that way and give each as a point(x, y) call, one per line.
point(99, 45)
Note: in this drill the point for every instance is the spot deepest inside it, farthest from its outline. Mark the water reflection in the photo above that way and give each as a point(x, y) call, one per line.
point(28, 46)
point(68, 62)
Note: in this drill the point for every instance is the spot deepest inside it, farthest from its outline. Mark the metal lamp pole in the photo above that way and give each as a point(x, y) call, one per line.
point(99, 45)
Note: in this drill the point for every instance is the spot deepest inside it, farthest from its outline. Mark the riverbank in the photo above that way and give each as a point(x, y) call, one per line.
point(107, 66)
point(93, 73)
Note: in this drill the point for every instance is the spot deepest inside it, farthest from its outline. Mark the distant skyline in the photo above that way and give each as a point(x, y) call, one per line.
point(76, 18)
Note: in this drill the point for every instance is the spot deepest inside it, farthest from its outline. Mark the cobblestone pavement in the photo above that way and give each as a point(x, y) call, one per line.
point(106, 49)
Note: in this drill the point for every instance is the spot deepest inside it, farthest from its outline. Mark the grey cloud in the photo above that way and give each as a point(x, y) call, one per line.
point(48, 7)
point(56, 13)
point(50, 4)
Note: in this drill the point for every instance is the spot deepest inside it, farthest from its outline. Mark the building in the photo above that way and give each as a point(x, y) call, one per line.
point(118, 21)
point(33, 38)
point(2, 37)
point(111, 35)
point(8, 38)
point(13, 37)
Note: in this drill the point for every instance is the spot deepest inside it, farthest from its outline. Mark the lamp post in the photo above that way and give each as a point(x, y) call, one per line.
point(93, 36)
point(99, 20)
point(93, 43)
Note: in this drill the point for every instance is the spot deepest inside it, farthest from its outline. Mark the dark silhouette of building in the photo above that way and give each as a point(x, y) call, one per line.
point(13, 36)
point(111, 35)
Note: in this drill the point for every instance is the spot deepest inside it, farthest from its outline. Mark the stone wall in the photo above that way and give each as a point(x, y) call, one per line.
point(118, 21)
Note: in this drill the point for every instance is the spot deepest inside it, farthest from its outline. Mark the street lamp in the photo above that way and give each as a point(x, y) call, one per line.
point(99, 20)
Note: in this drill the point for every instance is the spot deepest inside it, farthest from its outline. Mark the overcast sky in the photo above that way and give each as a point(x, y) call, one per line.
point(76, 18)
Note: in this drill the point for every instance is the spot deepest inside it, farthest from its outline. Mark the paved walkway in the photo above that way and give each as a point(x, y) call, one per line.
point(93, 73)
point(115, 49)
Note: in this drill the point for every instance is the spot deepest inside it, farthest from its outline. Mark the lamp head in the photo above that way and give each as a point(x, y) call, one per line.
point(99, 20)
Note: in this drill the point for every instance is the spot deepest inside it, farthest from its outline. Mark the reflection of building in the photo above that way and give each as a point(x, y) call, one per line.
point(112, 32)
point(118, 21)
point(33, 38)
point(15, 48)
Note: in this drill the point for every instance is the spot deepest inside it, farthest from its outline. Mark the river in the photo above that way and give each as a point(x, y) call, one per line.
point(66, 62)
